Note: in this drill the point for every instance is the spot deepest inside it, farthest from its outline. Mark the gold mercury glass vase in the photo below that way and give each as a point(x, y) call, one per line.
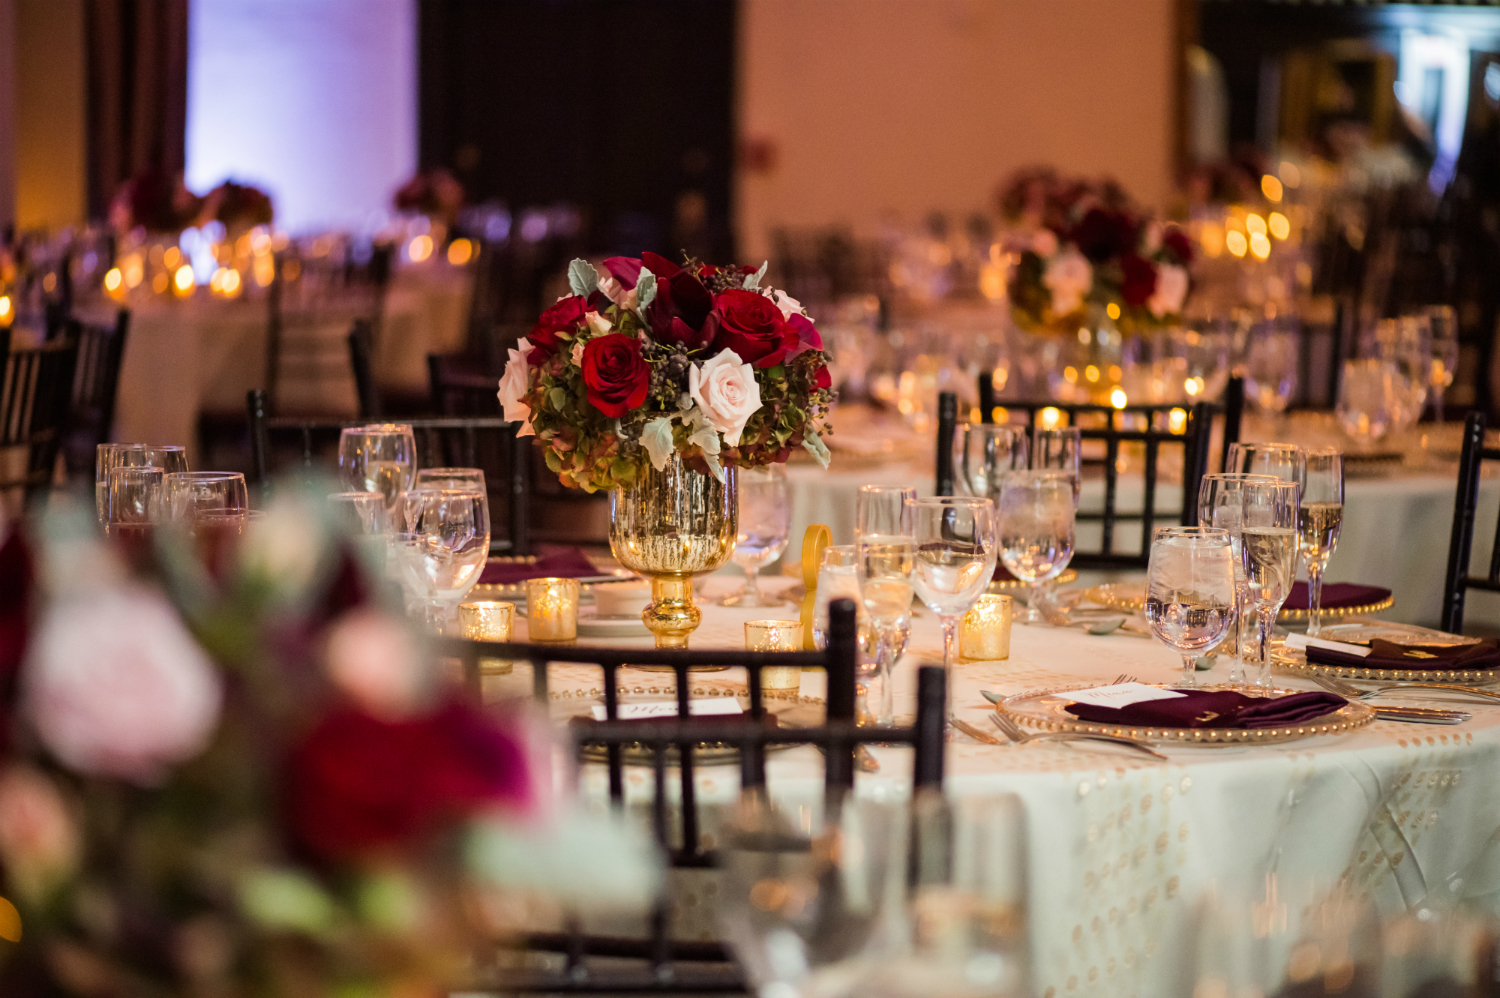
point(669, 526)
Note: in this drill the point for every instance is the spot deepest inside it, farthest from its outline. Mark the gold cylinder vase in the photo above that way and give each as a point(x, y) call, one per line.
point(670, 526)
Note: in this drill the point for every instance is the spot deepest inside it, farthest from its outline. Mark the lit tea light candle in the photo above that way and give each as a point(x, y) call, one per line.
point(552, 609)
point(488, 620)
point(984, 634)
point(776, 635)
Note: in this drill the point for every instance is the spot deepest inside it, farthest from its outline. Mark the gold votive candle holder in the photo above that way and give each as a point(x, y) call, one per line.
point(488, 620)
point(984, 635)
point(552, 609)
point(776, 635)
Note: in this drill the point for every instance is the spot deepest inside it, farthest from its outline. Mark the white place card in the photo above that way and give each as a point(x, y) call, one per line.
point(1121, 695)
point(712, 707)
point(1304, 642)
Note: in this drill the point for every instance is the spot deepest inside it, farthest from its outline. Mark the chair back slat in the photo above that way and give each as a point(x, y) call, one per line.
point(36, 390)
point(1461, 537)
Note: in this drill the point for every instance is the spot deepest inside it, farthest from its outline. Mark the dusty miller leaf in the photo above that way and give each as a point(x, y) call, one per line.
point(645, 291)
point(816, 447)
point(752, 282)
point(656, 437)
point(583, 279)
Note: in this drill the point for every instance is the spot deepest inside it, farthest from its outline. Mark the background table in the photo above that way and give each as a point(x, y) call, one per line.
point(1123, 849)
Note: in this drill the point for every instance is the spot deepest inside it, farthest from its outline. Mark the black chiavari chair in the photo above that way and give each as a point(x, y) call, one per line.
point(96, 382)
point(36, 386)
point(1458, 581)
point(838, 737)
point(361, 344)
point(487, 443)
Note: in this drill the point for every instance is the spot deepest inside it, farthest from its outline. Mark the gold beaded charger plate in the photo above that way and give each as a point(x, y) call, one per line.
point(1016, 585)
point(1132, 596)
point(1294, 660)
point(790, 710)
point(1046, 710)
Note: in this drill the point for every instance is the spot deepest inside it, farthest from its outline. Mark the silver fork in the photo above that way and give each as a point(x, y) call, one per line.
point(1014, 732)
point(1344, 688)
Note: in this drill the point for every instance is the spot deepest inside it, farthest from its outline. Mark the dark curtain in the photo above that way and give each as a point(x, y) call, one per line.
point(137, 121)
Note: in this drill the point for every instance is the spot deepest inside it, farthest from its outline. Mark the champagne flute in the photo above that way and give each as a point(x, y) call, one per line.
point(765, 524)
point(443, 547)
point(1190, 597)
point(1221, 503)
point(883, 566)
point(1284, 461)
point(986, 452)
point(1268, 549)
point(1318, 521)
point(381, 457)
point(190, 494)
point(1036, 515)
point(955, 557)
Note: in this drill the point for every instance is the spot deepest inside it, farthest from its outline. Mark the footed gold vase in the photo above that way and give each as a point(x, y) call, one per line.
point(670, 526)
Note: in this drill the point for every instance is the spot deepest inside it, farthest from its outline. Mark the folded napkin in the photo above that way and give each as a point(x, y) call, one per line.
point(1214, 709)
point(567, 563)
point(1389, 655)
point(1335, 596)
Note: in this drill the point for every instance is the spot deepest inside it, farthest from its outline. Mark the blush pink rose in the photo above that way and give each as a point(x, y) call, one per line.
point(514, 385)
point(726, 390)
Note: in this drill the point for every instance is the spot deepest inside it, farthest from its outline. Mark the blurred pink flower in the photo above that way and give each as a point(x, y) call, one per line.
point(38, 840)
point(375, 662)
point(115, 686)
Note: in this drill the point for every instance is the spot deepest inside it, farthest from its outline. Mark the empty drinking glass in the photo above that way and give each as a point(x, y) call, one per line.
point(360, 512)
point(107, 457)
point(192, 493)
point(985, 453)
point(1268, 549)
point(1190, 597)
point(380, 458)
point(1405, 343)
point(1368, 399)
point(1059, 449)
point(442, 547)
point(135, 500)
point(1035, 516)
point(1284, 461)
point(881, 509)
point(451, 478)
point(1221, 503)
point(955, 557)
point(1318, 521)
point(765, 521)
point(1271, 366)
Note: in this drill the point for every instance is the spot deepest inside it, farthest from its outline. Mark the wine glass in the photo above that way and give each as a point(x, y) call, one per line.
point(883, 566)
point(451, 478)
point(1405, 343)
point(1318, 522)
point(189, 494)
point(986, 452)
point(1442, 325)
point(955, 557)
point(1271, 367)
point(360, 512)
point(1367, 400)
point(1284, 461)
point(381, 457)
point(1059, 448)
point(1036, 515)
point(107, 457)
point(1190, 597)
point(765, 522)
point(881, 509)
point(1221, 503)
point(442, 548)
point(1268, 548)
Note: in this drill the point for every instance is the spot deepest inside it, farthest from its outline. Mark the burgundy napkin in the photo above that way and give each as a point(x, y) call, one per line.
point(1002, 574)
point(568, 563)
point(1335, 595)
point(1389, 655)
point(1214, 709)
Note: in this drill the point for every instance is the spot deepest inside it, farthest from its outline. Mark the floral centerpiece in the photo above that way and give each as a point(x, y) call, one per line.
point(1080, 244)
point(238, 206)
point(653, 359)
point(433, 192)
point(232, 772)
point(156, 201)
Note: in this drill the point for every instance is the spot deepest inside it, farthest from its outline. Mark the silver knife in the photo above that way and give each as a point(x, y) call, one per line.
point(1422, 715)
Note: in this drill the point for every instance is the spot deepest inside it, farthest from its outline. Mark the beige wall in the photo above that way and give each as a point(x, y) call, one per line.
point(909, 105)
point(51, 168)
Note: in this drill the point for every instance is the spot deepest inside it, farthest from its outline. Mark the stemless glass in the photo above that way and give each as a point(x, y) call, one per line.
point(1221, 503)
point(1318, 521)
point(443, 547)
point(955, 557)
point(107, 457)
point(1059, 449)
point(881, 509)
point(765, 523)
point(381, 457)
point(1284, 461)
point(1036, 515)
point(190, 494)
point(985, 453)
point(134, 501)
point(1190, 591)
point(883, 566)
point(1268, 548)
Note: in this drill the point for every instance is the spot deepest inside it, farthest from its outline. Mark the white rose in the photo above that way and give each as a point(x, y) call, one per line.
point(727, 393)
point(1171, 290)
point(786, 303)
point(1069, 277)
point(598, 323)
point(114, 686)
point(514, 385)
point(1044, 243)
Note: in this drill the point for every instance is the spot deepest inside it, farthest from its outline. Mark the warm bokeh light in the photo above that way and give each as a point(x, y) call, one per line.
point(1112, 310)
point(1001, 415)
point(1211, 239)
point(264, 269)
point(182, 281)
point(991, 280)
point(460, 252)
point(1115, 374)
point(1290, 175)
point(1091, 373)
point(1279, 225)
point(134, 270)
point(1177, 420)
point(1118, 399)
point(171, 258)
point(1260, 246)
point(226, 282)
point(5, 311)
point(1070, 374)
point(1193, 386)
point(1270, 187)
point(1050, 416)
point(113, 279)
point(160, 283)
point(1236, 243)
point(419, 249)
point(1255, 225)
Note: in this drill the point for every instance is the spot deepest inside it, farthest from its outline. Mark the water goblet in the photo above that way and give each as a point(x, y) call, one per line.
point(765, 523)
point(1368, 399)
point(955, 557)
point(1190, 597)
point(1221, 504)
point(985, 453)
point(443, 546)
point(189, 494)
point(883, 567)
point(1271, 367)
point(1059, 448)
point(1036, 515)
point(360, 512)
point(1268, 549)
point(1318, 521)
point(1284, 461)
point(881, 509)
point(381, 457)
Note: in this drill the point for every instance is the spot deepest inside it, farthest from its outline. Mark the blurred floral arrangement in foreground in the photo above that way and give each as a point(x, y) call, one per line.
point(227, 770)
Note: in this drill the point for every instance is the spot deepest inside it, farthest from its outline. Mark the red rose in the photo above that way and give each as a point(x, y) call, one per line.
point(751, 325)
point(1178, 244)
point(563, 317)
point(1104, 234)
point(359, 784)
point(616, 374)
point(821, 377)
point(1139, 282)
point(808, 337)
point(679, 312)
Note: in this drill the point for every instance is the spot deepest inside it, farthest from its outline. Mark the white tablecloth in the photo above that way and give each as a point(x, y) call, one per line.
point(1122, 849)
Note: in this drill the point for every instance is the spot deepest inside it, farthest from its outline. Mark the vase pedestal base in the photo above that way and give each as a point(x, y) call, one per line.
point(672, 616)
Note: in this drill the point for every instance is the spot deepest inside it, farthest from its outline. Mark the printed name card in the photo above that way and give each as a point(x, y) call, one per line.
point(715, 706)
point(1304, 642)
point(1121, 695)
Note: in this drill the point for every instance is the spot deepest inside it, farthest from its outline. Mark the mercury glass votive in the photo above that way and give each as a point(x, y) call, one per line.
point(488, 620)
point(984, 635)
point(552, 609)
point(776, 635)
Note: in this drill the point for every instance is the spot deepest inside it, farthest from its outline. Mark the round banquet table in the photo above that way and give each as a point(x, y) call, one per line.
point(1121, 848)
